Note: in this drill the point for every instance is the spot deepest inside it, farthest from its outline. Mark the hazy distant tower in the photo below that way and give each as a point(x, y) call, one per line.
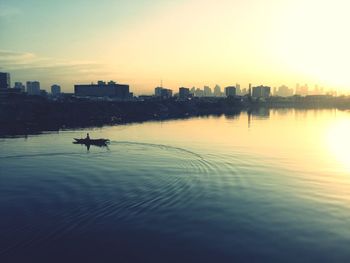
point(217, 91)
point(55, 90)
point(33, 87)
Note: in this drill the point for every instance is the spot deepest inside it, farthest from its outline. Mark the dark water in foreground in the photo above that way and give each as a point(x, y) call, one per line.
point(275, 188)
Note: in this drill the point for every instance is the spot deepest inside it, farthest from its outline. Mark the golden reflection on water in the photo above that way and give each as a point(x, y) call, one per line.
point(338, 138)
point(315, 141)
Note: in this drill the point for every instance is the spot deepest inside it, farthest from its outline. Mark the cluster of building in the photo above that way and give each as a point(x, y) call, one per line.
point(230, 91)
point(114, 91)
point(254, 92)
point(30, 87)
point(101, 89)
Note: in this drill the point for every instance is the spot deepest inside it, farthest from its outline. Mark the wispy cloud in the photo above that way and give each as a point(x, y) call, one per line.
point(25, 60)
point(14, 61)
point(29, 66)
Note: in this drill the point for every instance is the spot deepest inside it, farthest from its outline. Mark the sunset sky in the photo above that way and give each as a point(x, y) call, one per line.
point(185, 43)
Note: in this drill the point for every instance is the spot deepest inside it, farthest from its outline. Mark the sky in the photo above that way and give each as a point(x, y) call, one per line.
point(183, 43)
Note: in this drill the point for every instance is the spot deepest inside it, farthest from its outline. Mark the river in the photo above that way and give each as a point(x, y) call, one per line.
point(270, 186)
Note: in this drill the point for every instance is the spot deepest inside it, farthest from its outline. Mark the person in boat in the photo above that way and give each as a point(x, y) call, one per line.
point(87, 137)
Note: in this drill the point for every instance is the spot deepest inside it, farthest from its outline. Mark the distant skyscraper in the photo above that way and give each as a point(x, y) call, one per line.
point(33, 87)
point(5, 82)
point(193, 90)
point(230, 91)
point(261, 92)
point(250, 90)
point(238, 89)
point(199, 92)
point(217, 91)
point(55, 90)
point(284, 91)
point(207, 91)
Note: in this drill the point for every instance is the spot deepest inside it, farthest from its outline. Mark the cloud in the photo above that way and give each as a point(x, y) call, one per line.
point(25, 61)
point(25, 66)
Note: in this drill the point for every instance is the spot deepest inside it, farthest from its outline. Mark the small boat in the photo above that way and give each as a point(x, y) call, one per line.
point(99, 142)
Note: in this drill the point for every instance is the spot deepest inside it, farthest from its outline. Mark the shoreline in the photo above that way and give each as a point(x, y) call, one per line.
point(26, 116)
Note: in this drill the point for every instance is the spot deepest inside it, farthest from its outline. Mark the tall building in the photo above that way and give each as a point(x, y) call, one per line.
point(217, 91)
point(261, 92)
point(230, 91)
point(199, 92)
point(166, 93)
point(184, 93)
point(55, 90)
point(5, 82)
point(158, 91)
point(102, 89)
point(238, 89)
point(284, 91)
point(207, 91)
point(33, 87)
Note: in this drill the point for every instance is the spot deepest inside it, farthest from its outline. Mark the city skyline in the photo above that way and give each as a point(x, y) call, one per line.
point(207, 91)
point(186, 43)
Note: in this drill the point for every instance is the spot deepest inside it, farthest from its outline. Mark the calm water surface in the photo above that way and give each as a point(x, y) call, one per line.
point(269, 187)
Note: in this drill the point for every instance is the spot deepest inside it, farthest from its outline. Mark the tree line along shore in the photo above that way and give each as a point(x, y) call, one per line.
point(30, 114)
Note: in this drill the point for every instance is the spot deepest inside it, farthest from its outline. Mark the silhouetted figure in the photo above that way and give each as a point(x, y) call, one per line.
point(87, 137)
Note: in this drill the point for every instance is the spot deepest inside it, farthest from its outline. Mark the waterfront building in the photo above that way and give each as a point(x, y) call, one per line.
point(284, 91)
point(112, 90)
point(261, 92)
point(33, 87)
point(55, 90)
point(230, 91)
point(163, 92)
point(184, 93)
point(158, 91)
point(166, 93)
point(5, 82)
point(19, 86)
